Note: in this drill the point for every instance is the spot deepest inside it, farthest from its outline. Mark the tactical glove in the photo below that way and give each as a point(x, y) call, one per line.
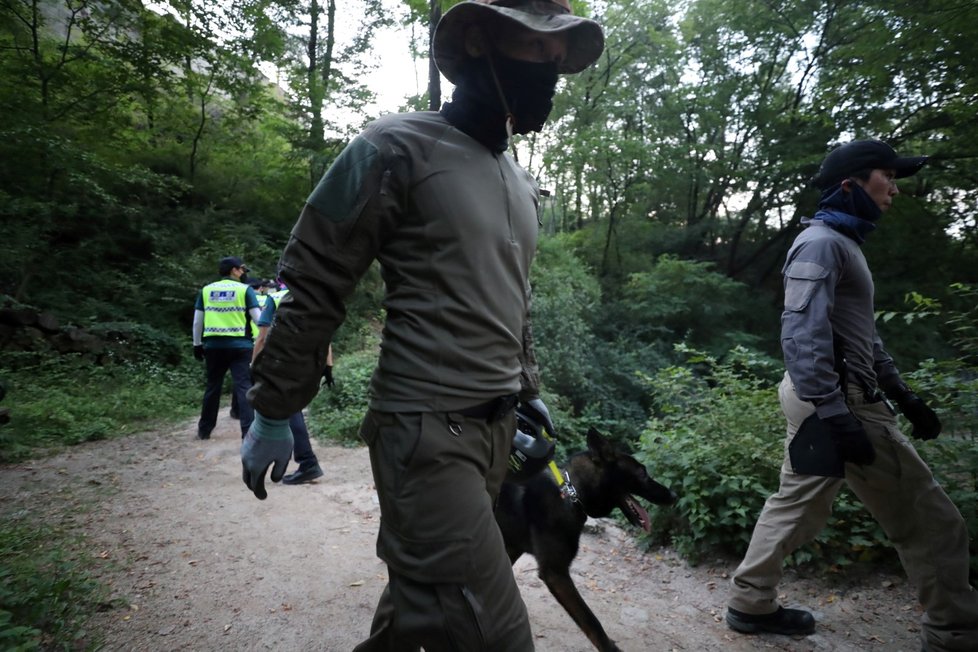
point(199, 351)
point(267, 442)
point(925, 423)
point(327, 377)
point(537, 411)
point(851, 440)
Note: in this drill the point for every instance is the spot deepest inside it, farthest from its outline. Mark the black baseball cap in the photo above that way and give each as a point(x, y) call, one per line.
point(227, 264)
point(845, 160)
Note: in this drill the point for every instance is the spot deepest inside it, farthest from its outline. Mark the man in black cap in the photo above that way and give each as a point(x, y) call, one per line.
point(224, 316)
point(841, 425)
point(452, 219)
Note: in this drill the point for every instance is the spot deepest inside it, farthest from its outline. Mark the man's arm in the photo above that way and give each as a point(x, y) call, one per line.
point(259, 342)
point(806, 331)
point(529, 372)
point(337, 237)
point(198, 329)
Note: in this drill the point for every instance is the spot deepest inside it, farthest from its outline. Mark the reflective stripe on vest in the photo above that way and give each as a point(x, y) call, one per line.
point(225, 309)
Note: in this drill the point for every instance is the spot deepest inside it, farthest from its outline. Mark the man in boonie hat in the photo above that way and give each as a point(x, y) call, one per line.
point(836, 397)
point(452, 219)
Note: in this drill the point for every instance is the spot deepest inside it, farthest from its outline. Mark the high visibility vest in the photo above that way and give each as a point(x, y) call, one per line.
point(225, 309)
point(262, 299)
point(278, 295)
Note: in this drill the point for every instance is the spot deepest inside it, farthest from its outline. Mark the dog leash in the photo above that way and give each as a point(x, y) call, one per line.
point(567, 490)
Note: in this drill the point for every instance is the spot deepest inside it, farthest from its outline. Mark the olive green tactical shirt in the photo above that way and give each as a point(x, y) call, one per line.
point(454, 228)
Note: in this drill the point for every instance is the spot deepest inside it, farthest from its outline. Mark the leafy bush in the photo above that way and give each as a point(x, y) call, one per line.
point(717, 439)
point(46, 595)
point(565, 295)
point(335, 414)
point(951, 387)
point(138, 342)
point(64, 400)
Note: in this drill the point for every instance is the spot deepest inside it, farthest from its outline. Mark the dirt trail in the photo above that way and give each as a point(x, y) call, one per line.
point(198, 563)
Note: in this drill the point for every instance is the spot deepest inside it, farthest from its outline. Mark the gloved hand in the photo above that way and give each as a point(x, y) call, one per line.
point(267, 442)
point(536, 410)
point(327, 377)
point(199, 351)
point(851, 440)
point(925, 423)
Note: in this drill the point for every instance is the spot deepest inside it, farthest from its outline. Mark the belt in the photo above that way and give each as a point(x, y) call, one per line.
point(492, 410)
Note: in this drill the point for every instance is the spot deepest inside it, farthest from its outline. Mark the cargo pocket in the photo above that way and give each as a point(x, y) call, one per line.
point(801, 279)
point(433, 500)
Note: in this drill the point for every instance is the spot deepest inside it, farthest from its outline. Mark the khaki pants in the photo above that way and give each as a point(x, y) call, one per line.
point(900, 492)
point(451, 586)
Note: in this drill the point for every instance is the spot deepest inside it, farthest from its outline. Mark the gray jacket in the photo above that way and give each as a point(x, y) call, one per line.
point(828, 306)
point(454, 228)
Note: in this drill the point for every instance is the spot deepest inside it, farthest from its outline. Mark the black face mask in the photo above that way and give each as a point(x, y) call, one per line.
point(855, 202)
point(529, 90)
point(477, 109)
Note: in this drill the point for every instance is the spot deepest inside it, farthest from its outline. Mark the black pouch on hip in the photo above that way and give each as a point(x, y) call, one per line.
point(812, 451)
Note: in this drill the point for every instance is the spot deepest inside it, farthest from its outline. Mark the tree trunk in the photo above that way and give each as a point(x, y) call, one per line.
point(434, 77)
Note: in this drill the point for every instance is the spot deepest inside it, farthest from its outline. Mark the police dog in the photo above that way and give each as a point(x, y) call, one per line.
point(545, 520)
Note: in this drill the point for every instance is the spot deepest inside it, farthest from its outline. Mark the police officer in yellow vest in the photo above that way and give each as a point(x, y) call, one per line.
point(224, 315)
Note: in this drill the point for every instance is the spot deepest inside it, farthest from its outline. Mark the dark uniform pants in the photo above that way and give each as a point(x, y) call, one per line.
point(451, 586)
point(901, 493)
point(218, 362)
point(301, 446)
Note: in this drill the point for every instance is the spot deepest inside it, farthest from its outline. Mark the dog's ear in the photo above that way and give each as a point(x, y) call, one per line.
point(599, 445)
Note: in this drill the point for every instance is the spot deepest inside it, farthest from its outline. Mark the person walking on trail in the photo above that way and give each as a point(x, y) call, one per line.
point(836, 397)
point(453, 221)
point(309, 469)
point(258, 285)
point(223, 317)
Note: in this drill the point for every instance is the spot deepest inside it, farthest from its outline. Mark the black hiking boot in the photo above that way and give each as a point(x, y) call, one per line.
point(303, 476)
point(790, 622)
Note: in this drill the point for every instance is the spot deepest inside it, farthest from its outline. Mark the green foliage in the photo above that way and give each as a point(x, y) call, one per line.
point(335, 414)
point(565, 296)
point(689, 301)
point(138, 343)
point(65, 400)
point(46, 594)
point(951, 387)
point(717, 439)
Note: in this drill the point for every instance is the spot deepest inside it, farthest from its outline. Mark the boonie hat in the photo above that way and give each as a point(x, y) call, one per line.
point(842, 162)
point(585, 40)
point(229, 263)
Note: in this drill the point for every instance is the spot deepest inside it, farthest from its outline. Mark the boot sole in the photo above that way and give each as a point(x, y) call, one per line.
point(745, 627)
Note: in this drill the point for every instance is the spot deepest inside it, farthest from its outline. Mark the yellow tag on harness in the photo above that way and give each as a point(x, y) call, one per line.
point(558, 476)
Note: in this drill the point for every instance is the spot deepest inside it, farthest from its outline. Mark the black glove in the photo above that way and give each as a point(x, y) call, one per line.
point(925, 423)
point(199, 351)
point(850, 439)
point(327, 377)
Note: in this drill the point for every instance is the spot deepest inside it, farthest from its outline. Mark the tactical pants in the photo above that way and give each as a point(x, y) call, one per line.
point(451, 586)
point(901, 493)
